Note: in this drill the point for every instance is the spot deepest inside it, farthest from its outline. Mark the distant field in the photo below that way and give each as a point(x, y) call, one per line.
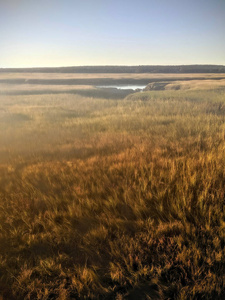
point(107, 75)
point(55, 83)
point(112, 195)
point(206, 84)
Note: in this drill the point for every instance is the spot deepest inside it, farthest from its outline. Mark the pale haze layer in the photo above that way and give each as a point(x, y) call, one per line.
point(50, 33)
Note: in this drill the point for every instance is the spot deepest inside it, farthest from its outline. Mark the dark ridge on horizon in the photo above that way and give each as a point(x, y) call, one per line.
point(122, 69)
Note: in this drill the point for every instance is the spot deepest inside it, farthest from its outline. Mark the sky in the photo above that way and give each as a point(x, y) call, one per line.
point(51, 33)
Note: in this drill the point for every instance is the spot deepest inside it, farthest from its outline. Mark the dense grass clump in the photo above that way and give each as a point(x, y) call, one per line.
point(113, 199)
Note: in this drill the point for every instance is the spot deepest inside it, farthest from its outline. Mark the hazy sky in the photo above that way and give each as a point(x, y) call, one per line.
point(117, 32)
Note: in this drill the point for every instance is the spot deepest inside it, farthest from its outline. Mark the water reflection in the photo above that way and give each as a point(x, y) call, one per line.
point(123, 87)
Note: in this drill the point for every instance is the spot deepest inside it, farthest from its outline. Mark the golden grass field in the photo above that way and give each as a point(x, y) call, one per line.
point(113, 198)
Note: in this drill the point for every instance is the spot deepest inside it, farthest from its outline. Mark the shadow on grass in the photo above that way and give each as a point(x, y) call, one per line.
point(94, 93)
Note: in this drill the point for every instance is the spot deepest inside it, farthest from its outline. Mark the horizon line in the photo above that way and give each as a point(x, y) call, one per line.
point(77, 66)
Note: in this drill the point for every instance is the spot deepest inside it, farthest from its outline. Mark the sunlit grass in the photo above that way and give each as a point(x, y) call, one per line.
point(113, 199)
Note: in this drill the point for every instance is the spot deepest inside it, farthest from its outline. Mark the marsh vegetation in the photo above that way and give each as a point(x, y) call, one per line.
point(113, 197)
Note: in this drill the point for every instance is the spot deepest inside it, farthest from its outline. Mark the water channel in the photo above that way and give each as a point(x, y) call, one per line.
point(123, 87)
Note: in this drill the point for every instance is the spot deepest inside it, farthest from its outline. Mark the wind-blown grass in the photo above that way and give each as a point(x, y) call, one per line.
point(113, 199)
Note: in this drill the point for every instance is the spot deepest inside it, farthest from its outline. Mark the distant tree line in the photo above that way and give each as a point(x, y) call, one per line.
point(123, 69)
